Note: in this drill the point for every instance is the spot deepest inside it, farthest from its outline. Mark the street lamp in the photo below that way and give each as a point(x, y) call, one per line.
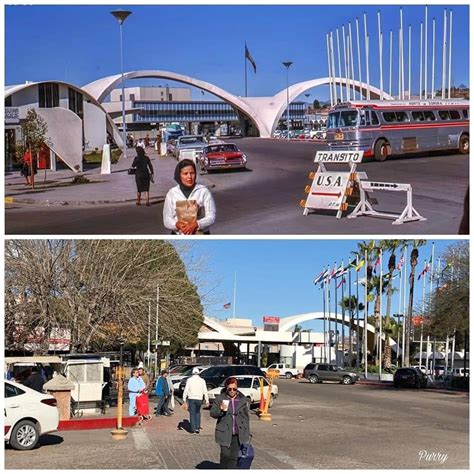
point(287, 64)
point(120, 16)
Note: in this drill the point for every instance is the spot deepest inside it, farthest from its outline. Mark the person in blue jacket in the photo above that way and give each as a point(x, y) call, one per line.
point(162, 392)
point(136, 385)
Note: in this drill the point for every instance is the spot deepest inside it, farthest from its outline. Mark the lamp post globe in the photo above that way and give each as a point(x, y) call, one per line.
point(287, 64)
point(121, 16)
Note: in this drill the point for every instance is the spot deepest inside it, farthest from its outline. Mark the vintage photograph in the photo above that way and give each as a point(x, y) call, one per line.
point(308, 119)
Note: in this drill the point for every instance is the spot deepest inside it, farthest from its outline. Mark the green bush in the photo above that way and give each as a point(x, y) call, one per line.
point(95, 157)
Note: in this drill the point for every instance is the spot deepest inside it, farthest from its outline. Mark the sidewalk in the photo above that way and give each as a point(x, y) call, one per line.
point(117, 187)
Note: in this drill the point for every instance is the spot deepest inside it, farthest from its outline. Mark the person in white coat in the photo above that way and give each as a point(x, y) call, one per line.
point(193, 395)
point(188, 190)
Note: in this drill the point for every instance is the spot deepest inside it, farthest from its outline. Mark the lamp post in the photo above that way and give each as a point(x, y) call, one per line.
point(120, 16)
point(287, 64)
point(119, 433)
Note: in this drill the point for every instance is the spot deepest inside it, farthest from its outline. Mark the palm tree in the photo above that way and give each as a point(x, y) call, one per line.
point(352, 305)
point(408, 325)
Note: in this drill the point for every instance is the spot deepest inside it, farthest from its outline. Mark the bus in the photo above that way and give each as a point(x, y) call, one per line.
point(382, 128)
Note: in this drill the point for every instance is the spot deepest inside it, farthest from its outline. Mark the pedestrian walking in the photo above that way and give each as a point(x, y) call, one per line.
point(194, 393)
point(189, 207)
point(28, 168)
point(135, 386)
point(171, 397)
point(231, 410)
point(143, 174)
point(144, 376)
point(162, 392)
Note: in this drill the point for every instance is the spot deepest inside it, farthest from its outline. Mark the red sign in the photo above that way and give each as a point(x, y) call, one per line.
point(271, 320)
point(417, 321)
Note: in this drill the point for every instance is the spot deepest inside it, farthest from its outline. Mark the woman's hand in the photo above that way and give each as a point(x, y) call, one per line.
point(187, 228)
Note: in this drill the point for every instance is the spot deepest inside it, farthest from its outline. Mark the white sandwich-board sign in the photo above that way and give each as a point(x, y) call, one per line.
point(327, 190)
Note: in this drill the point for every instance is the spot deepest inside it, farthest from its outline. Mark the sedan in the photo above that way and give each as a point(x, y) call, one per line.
point(28, 415)
point(221, 156)
point(410, 377)
point(249, 385)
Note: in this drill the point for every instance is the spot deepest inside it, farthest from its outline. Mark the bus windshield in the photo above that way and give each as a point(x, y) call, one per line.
point(344, 118)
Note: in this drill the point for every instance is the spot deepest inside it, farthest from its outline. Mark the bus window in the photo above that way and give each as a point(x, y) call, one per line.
point(429, 116)
point(348, 118)
point(401, 117)
point(362, 119)
point(443, 114)
point(418, 116)
point(375, 119)
point(389, 117)
point(465, 113)
point(454, 115)
point(333, 120)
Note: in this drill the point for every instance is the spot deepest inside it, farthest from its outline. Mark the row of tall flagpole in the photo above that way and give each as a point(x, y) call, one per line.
point(334, 316)
point(348, 77)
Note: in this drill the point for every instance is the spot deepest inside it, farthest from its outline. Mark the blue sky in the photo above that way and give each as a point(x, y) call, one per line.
point(80, 44)
point(275, 277)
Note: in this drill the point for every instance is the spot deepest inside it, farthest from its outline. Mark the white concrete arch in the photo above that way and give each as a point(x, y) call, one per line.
point(216, 326)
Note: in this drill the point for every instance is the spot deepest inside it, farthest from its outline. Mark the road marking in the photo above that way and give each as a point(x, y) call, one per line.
point(141, 440)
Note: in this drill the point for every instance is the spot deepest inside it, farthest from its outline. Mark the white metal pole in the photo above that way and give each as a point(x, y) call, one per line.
point(235, 295)
point(409, 62)
point(380, 315)
point(348, 97)
point(399, 64)
point(443, 74)
point(352, 62)
point(402, 54)
point(400, 285)
point(453, 349)
point(339, 62)
point(433, 63)
point(380, 55)
point(426, 51)
point(149, 335)
point(367, 74)
point(358, 58)
point(421, 60)
point(446, 349)
point(422, 314)
point(390, 64)
point(156, 327)
point(430, 308)
point(349, 75)
point(365, 318)
point(329, 70)
point(428, 343)
point(449, 56)
point(405, 284)
point(333, 64)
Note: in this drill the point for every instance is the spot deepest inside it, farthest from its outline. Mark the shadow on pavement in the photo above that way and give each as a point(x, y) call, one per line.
point(207, 465)
point(185, 425)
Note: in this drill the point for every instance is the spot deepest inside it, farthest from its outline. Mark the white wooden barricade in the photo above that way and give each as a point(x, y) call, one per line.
point(364, 208)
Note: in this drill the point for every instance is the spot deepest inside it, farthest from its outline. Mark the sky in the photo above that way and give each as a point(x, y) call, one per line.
point(80, 43)
point(275, 277)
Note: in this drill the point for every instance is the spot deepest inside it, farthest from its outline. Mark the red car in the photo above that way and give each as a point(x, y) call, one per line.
point(221, 156)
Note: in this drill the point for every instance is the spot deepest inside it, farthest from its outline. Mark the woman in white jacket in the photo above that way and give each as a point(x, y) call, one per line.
point(188, 190)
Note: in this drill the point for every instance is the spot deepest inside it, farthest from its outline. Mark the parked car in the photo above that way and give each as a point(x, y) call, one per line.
point(28, 415)
point(176, 378)
point(249, 385)
point(188, 142)
point(410, 377)
point(317, 373)
point(284, 369)
point(215, 375)
point(221, 156)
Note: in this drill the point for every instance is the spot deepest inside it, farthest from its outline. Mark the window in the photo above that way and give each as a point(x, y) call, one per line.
point(11, 391)
point(239, 370)
point(389, 117)
point(429, 116)
point(322, 367)
point(348, 118)
point(8, 101)
point(418, 116)
point(465, 112)
point(443, 114)
point(253, 370)
point(401, 116)
point(76, 102)
point(48, 95)
point(454, 115)
point(362, 119)
point(132, 97)
point(375, 119)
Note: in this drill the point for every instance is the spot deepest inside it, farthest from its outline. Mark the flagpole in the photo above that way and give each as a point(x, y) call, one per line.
point(422, 316)
point(343, 314)
point(431, 278)
point(324, 318)
point(329, 320)
point(357, 307)
point(335, 316)
point(380, 314)
point(365, 318)
point(400, 286)
point(235, 295)
point(245, 61)
point(351, 315)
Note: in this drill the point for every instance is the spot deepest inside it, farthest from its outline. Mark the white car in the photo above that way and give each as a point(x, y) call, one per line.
point(28, 415)
point(249, 385)
point(176, 379)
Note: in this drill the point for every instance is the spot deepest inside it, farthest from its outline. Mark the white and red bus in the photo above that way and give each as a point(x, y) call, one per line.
point(383, 128)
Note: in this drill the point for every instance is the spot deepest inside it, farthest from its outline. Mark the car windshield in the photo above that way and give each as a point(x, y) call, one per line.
point(344, 118)
point(190, 140)
point(211, 371)
point(241, 383)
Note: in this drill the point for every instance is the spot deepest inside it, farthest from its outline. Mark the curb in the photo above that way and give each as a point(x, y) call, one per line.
point(96, 423)
point(429, 389)
point(12, 200)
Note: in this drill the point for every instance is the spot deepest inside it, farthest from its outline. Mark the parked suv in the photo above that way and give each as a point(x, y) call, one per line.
point(215, 375)
point(317, 373)
point(410, 377)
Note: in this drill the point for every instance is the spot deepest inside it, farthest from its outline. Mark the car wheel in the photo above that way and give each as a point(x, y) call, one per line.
point(464, 144)
point(381, 150)
point(313, 379)
point(346, 380)
point(25, 435)
point(288, 375)
point(272, 399)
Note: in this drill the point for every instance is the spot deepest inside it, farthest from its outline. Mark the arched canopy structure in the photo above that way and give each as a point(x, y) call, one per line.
point(264, 112)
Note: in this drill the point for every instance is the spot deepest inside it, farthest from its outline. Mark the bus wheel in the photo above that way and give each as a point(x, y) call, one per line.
point(381, 150)
point(464, 144)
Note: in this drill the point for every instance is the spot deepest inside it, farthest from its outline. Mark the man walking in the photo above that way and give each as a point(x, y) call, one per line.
point(194, 392)
point(162, 392)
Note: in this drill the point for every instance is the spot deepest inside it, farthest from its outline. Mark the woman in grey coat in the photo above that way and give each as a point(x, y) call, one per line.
point(231, 409)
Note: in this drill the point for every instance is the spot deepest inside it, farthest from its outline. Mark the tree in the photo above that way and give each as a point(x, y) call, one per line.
point(98, 290)
point(33, 130)
point(316, 104)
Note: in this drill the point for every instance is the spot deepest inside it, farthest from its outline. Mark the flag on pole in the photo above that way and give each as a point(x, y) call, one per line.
point(425, 270)
point(341, 282)
point(321, 276)
point(376, 264)
point(360, 265)
point(227, 306)
point(333, 273)
point(249, 57)
point(340, 271)
point(400, 263)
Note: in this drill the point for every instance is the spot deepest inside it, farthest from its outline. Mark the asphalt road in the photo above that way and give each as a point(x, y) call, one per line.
point(265, 199)
point(322, 426)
